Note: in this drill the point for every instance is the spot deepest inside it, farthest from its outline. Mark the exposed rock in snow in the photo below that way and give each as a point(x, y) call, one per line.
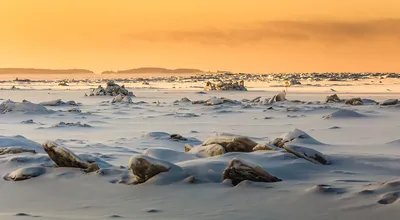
point(239, 85)
point(332, 98)
point(112, 89)
point(144, 167)
point(278, 98)
point(295, 136)
point(264, 147)
point(71, 124)
point(23, 107)
point(16, 150)
point(238, 171)
point(25, 173)
point(58, 102)
point(307, 153)
point(207, 150)
point(354, 101)
point(232, 144)
point(63, 157)
point(122, 98)
point(390, 102)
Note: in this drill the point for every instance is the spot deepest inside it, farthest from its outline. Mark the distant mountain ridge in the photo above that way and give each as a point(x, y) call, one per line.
point(42, 71)
point(154, 70)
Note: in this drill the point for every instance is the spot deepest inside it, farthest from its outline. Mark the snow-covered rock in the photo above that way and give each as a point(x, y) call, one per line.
point(239, 170)
point(25, 173)
point(63, 157)
point(307, 153)
point(145, 167)
point(23, 107)
point(232, 143)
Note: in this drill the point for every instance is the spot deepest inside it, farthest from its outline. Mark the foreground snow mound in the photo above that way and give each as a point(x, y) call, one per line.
point(232, 143)
point(308, 154)
point(23, 107)
point(19, 141)
point(238, 171)
point(25, 173)
point(344, 113)
point(58, 102)
point(295, 136)
point(169, 155)
point(63, 157)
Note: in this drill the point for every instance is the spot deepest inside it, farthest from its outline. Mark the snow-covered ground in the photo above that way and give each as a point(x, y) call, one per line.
point(361, 144)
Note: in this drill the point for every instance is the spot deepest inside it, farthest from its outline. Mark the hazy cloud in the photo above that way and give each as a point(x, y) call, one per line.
point(299, 31)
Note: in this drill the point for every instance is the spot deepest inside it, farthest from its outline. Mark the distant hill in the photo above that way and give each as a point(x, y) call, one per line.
point(154, 70)
point(42, 71)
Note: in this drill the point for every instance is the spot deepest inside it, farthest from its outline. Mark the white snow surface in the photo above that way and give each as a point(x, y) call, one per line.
point(362, 181)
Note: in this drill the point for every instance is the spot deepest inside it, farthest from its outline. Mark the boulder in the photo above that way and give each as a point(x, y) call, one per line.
point(280, 97)
point(232, 143)
point(264, 147)
point(16, 150)
point(390, 102)
point(22, 107)
point(308, 154)
point(58, 102)
point(122, 98)
point(238, 171)
point(354, 101)
point(25, 173)
point(332, 98)
point(229, 85)
point(112, 89)
point(210, 150)
point(144, 167)
point(63, 157)
point(214, 101)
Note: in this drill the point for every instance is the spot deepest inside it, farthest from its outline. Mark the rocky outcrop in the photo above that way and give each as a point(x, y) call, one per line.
point(390, 102)
point(210, 150)
point(70, 124)
point(122, 99)
point(308, 154)
point(238, 171)
point(354, 101)
point(144, 167)
point(63, 157)
point(332, 98)
point(264, 147)
point(16, 150)
point(58, 102)
point(280, 97)
point(112, 89)
point(232, 143)
point(229, 85)
point(22, 107)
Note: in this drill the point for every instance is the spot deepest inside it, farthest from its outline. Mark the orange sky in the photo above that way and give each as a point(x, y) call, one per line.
point(249, 36)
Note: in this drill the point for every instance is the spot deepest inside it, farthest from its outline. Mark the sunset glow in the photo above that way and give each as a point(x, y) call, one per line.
point(250, 36)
